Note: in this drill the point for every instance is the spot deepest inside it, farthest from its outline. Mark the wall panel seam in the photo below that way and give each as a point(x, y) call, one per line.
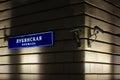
point(99, 41)
point(49, 20)
point(41, 11)
point(31, 3)
point(4, 1)
point(117, 6)
point(105, 63)
point(87, 14)
point(102, 9)
point(100, 52)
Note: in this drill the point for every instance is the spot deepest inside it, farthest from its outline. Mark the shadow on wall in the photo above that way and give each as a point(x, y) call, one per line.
point(52, 63)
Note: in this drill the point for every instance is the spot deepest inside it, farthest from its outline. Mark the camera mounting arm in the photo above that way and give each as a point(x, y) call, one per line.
point(96, 30)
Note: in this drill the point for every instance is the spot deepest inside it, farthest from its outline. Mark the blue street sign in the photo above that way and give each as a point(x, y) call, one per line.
point(31, 40)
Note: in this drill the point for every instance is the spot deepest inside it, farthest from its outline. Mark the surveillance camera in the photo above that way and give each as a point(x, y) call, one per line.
point(98, 29)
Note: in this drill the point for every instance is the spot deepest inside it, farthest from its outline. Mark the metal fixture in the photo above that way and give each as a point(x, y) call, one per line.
point(93, 32)
point(77, 35)
point(5, 35)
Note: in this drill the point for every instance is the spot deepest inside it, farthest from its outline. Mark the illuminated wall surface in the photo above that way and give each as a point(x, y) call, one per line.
point(102, 60)
point(64, 60)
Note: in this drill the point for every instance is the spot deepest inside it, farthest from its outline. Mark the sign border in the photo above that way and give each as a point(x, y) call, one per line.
point(52, 39)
